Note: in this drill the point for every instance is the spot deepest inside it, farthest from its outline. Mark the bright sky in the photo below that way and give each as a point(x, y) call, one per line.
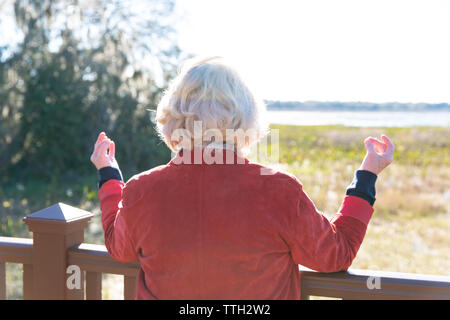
point(328, 50)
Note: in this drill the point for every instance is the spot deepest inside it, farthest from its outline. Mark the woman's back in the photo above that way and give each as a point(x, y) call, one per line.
point(223, 231)
point(212, 232)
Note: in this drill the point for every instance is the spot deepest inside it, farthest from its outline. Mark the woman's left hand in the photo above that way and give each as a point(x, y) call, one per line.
point(104, 153)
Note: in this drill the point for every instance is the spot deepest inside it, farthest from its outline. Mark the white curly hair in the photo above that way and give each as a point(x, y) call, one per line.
point(208, 92)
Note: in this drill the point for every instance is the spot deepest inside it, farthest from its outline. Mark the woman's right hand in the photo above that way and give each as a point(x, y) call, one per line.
point(104, 153)
point(380, 154)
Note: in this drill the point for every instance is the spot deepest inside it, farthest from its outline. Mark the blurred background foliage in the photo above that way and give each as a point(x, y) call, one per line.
point(82, 67)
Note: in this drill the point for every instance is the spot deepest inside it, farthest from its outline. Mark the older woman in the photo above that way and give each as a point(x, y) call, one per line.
point(211, 224)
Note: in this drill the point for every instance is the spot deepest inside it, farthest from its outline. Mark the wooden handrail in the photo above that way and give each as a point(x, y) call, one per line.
point(16, 250)
point(362, 284)
point(95, 258)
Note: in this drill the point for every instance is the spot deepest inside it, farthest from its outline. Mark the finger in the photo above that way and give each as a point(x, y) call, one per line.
point(94, 153)
point(100, 135)
point(108, 140)
point(379, 145)
point(100, 138)
point(369, 145)
point(388, 142)
point(374, 140)
point(112, 149)
point(101, 149)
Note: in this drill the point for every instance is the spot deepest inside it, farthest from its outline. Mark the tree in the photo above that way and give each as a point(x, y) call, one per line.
point(83, 67)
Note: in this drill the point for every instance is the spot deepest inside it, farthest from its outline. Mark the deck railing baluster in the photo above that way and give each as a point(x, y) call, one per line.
point(93, 285)
point(27, 281)
point(2, 281)
point(129, 287)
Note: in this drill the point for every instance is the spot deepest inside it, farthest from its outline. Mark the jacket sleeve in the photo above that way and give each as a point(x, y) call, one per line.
point(323, 245)
point(116, 209)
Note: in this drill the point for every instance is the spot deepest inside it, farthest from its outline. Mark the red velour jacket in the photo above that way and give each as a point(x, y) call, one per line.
point(225, 231)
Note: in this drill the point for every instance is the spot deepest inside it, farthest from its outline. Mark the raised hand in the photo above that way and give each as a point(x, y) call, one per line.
point(104, 152)
point(380, 154)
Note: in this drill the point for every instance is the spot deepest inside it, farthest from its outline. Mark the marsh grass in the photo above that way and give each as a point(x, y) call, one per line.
point(410, 229)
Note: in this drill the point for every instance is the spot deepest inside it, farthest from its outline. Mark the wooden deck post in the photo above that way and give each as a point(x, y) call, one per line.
point(55, 229)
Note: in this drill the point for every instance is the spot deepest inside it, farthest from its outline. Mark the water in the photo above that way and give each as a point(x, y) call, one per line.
point(362, 118)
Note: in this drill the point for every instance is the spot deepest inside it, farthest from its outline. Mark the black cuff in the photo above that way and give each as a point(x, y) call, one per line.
point(363, 186)
point(108, 173)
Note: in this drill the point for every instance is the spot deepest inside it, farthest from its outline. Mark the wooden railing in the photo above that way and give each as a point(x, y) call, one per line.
point(95, 260)
point(16, 250)
point(57, 244)
point(375, 285)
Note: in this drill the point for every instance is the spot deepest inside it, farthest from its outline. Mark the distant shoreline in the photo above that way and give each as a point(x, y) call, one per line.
point(353, 106)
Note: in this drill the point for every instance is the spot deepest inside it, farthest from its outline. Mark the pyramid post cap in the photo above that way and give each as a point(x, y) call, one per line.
point(59, 212)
